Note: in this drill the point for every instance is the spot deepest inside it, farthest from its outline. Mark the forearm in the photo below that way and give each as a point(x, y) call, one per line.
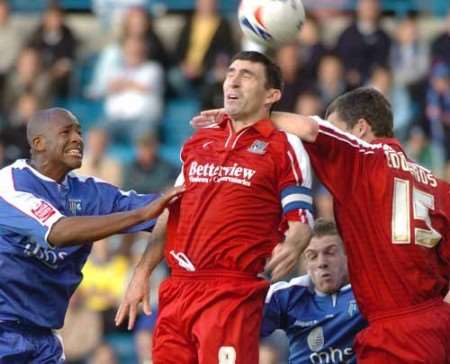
point(304, 127)
point(154, 252)
point(298, 235)
point(85, 229)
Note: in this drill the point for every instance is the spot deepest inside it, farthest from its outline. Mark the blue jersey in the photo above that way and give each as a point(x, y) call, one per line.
point(320, 327)
point(37, 280)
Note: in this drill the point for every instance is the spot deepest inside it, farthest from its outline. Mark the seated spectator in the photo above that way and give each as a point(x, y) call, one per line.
point(14, 132)
point(311, 50)
point(104, 354)
point(11, 39)
point(309, 103)
point(287, 59)
point(381, 79)
point(331, 81)
point(438, 111)
point(105, 276)
point(28, 76)
point(363, 45)
point(204, 37)
point(135, 21)
point(440, 47)
point(57, 45)
point(96, 161)
point(212, 89)
point(409, 59)
point(148, 172)
point(134, 94)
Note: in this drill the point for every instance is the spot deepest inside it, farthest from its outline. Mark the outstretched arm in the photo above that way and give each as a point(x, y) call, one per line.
point(82, 229)
point(138, 289)
point(306, 128)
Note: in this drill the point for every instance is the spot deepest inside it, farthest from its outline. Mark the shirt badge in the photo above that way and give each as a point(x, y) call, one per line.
point(352, 308)
point(74, 206)
point(258, 147)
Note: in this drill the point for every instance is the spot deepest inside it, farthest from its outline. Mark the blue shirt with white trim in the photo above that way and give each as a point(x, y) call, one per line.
point(320, 327)
point(38, 279)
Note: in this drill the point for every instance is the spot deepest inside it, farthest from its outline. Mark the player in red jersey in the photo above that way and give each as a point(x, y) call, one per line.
point(394, 217)
point(244, 180)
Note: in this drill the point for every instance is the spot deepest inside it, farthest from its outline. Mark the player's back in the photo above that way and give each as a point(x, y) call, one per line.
point(392, 216)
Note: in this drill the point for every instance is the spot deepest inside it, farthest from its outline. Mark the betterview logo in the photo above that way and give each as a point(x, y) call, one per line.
point(211, 173)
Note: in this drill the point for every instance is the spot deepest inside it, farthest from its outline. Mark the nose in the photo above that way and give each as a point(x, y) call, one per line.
point(322, 261)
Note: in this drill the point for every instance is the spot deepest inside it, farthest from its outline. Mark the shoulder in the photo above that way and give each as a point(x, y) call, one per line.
point(299, 285)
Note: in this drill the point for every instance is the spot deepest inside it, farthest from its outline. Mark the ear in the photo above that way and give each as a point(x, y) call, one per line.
point(272, 96)
point(362, 128)
point(38, 143)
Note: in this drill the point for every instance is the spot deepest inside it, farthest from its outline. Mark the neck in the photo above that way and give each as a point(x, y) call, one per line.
point(240, 122)
point(56, 173)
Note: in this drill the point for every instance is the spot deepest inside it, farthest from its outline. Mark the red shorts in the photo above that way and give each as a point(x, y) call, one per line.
point(418, 337)
point(209, 318)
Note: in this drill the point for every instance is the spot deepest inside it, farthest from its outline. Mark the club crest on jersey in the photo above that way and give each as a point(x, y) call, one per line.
point(316, 339)
point(74, 206)
point(258, 147)
point(352, 308)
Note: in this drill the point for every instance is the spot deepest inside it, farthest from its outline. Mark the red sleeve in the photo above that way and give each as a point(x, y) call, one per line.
point(340, 159)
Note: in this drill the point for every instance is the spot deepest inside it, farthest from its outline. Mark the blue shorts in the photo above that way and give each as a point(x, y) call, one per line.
point(19, 345)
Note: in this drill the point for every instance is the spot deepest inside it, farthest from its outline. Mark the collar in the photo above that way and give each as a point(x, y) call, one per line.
point(27, 164)
point(264, 127)
point(392, 142)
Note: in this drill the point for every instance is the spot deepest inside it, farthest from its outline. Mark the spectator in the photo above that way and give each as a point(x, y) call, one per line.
point(438, 111)
point(104, 354)
point(309, 103)
point(134, 95)
point(409, 59)
point(57, 46)
point(363, 44)
point(330, 79)
point(105, 276)
point(15, 130)
point(212, 91)
point(11, 39)
point(381, 79)
point(96, 162)
point(148, 172)
point(440, 49)
point(204, 37)
point(29, 75)
point(311, 50)
point(136, 21)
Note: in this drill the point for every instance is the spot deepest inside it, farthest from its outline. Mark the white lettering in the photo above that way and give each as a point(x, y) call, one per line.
point(331, 356)
point(211, 173)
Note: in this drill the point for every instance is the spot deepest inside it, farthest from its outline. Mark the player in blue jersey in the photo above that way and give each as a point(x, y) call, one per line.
point(317, 311)
point(48, 219)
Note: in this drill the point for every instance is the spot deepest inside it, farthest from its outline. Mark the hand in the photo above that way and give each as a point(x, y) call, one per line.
point(447, 298)
point(138, 291)
point(207, 118)
point(285, 257)
point(155, 208)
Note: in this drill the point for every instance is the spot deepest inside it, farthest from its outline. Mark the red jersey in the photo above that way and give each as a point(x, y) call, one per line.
point(239, 186)
point(393, 216)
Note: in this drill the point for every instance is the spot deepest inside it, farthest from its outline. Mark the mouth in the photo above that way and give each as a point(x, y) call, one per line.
point(231, 97)
point(75, 153)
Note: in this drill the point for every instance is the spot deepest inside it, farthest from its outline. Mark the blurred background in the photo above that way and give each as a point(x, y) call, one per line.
point(135, 71)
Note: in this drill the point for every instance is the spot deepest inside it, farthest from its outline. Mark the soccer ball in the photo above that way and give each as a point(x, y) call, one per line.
point(271, 23)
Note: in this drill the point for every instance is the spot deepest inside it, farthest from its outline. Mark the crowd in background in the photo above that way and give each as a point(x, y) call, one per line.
point(136, 93)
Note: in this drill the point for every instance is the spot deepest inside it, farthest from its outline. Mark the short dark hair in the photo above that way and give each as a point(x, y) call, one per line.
point(364, 103)
point(324, 227)
point(274, 78)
